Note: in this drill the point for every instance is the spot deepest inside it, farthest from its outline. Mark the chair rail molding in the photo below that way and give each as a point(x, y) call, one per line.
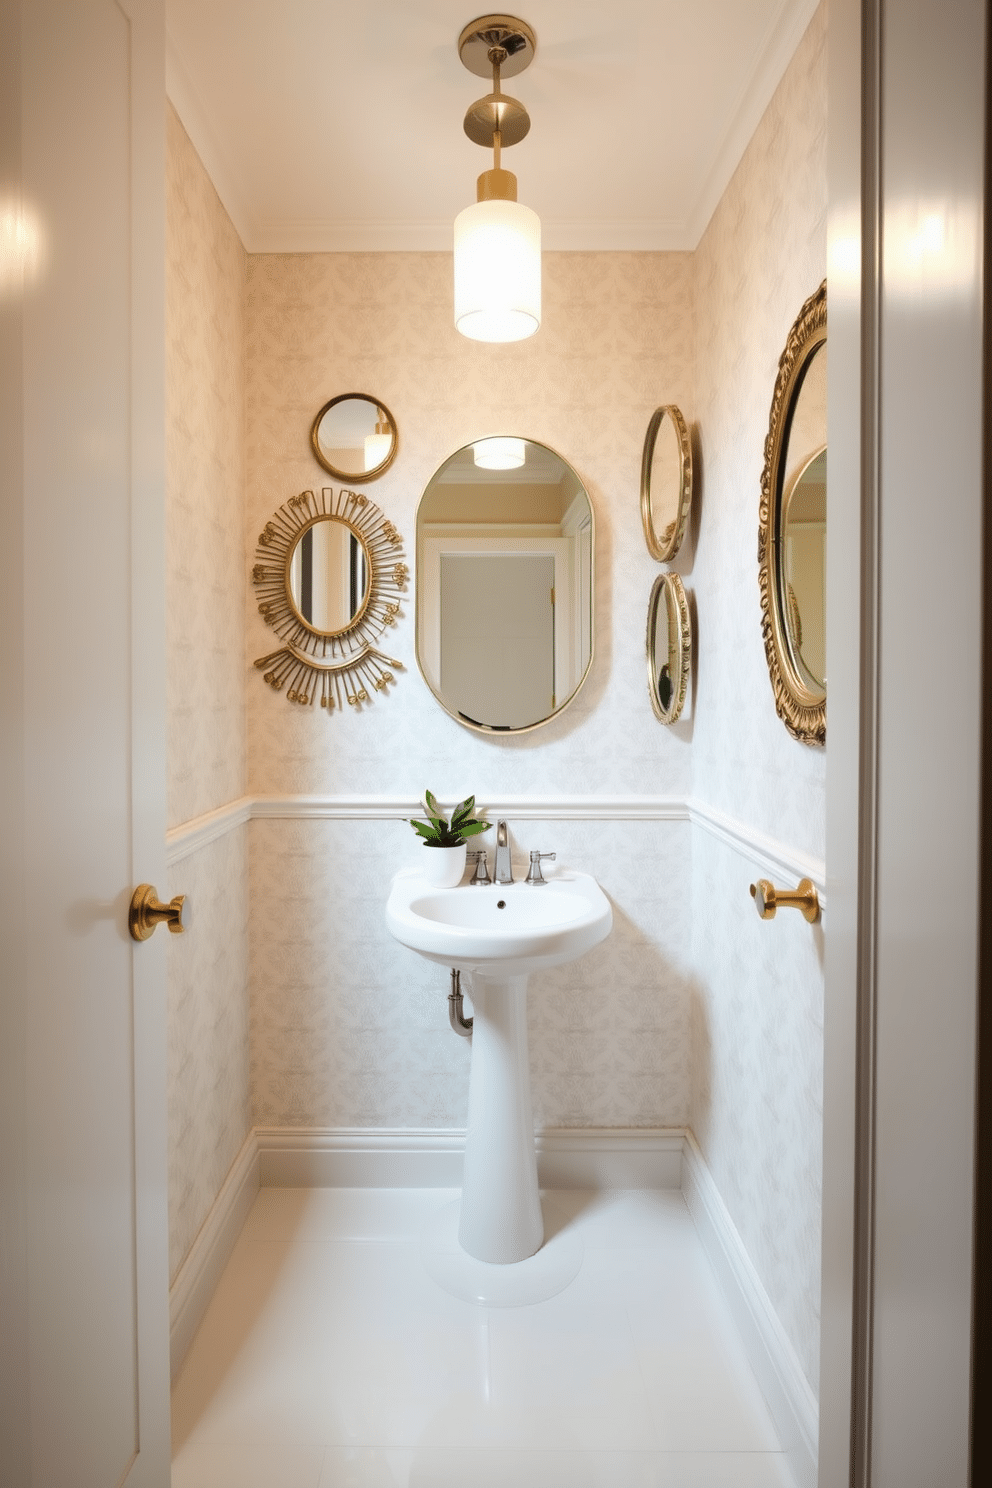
point(776, 859)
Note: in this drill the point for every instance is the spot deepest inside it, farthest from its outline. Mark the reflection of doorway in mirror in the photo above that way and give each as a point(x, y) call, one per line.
point(805, 533)
point(328, 577)
point(498, 636)
point(570, 557)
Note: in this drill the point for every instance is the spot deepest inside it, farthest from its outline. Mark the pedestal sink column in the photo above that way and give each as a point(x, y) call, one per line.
point(501, 1209)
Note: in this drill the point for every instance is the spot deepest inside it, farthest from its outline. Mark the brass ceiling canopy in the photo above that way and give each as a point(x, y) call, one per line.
point(503, 46)
point(514, 36)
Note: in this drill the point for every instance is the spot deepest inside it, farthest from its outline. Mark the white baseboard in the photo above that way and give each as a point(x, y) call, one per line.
point(333, 1157)
point(210, 1252)
point(281, 1157)
point(772, 1357)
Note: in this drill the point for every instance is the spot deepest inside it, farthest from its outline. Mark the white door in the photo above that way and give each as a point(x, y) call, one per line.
point(498, 636)
point(904, 649)
point(85, 1283)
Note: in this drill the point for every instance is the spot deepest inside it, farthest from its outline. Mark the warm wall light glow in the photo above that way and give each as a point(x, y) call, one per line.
point(497, 271)
point(499, 454)
point(20, 249)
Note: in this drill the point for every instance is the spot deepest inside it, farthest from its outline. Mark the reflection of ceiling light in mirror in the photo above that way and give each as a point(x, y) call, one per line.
point(500, 454)
point(497, 240)
point(378, 445)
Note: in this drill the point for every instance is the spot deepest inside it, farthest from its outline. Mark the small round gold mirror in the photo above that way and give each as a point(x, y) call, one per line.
point(354, 437)
point(666, 483)
point(669, 647)
point(327, 576)
point(793, 528)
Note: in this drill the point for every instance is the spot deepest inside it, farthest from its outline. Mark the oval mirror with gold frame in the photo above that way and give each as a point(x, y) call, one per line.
point(354, 437)
point(669, 647)
point(792, 528)
point(505, 584)
point(666, 482)
point(329, 577)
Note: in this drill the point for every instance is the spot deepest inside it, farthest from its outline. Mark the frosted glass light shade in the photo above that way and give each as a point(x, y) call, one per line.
point(377, 448)
point(500, 453)
point(497, 271)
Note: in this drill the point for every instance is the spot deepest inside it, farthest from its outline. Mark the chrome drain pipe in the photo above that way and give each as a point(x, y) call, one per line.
point(458, 1021)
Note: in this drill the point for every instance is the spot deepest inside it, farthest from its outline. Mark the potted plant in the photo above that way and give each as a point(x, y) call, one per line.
point(444, 841)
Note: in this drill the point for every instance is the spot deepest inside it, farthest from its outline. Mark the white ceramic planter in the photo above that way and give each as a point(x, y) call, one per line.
point(443, 866)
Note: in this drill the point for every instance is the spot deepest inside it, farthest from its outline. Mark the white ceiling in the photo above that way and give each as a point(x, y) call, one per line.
point(337, 124)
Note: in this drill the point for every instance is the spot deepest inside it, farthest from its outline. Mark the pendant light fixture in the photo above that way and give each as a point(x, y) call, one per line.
point(497, 240)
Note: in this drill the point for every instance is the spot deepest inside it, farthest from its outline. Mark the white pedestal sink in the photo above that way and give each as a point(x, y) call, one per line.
point(500, 933)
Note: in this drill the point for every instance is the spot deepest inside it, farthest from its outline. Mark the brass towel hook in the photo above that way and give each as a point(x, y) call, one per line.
point(768, 899)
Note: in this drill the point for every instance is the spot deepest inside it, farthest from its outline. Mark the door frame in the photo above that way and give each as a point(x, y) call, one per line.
point(907, 114)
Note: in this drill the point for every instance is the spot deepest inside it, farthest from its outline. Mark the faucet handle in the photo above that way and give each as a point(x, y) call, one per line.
point(534, 874)
point(481, 874)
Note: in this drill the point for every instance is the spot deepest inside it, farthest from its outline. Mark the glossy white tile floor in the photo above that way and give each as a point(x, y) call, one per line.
point(329, 1359)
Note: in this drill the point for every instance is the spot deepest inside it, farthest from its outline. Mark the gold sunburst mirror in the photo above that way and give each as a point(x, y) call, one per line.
point(329, 575)
point(793, 528)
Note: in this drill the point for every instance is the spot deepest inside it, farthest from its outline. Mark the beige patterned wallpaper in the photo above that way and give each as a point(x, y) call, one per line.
point(757, 988)
point(615, 342)
point(351, 1029)
point(205, 475)
point(209, 1103)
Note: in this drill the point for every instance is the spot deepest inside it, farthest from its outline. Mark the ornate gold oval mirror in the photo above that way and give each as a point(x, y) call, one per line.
point(666, 483)
point(329, 577)
point(354, 437)
point(793, 528)
point(504, 585)
point(669, 647)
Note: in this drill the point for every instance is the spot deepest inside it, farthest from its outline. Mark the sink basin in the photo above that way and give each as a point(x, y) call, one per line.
point(500, 929)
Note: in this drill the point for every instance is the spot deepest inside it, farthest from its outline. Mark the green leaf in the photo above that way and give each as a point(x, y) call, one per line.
point(430, 832)
point(473, 828)
point(463, 810)
point(433, 810)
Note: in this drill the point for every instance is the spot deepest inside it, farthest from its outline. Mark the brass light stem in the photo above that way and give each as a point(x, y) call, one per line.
point(496, 57)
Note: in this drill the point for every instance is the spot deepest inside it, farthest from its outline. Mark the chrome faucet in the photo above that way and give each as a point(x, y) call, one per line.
point(503, 870)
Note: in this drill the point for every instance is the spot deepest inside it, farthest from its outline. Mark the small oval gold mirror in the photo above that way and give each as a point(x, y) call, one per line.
point(793, 528)
point(328, 576)
point(669, 647)
point(354, 437)
point(666, 482)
